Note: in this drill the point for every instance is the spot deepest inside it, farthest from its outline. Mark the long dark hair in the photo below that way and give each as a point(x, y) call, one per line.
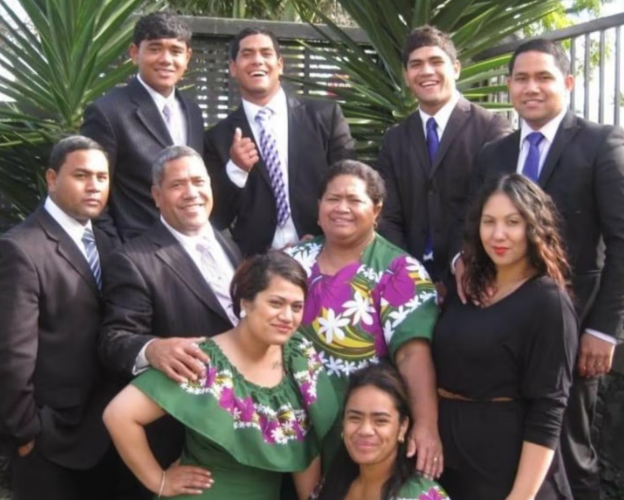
point(343, 470)
point(546, 251)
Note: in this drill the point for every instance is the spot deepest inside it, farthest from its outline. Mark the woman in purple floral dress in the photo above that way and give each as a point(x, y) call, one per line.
point(261, 410)
point(368, 300)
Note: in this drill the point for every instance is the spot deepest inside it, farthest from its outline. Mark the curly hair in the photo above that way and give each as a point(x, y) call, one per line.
point(546, 250)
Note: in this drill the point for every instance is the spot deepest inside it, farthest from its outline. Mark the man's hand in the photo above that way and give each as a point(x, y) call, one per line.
point(185, 480)
point(243, 152)
point(424, 442)
point(178, 358)
point(595, 356)
point(26, 449)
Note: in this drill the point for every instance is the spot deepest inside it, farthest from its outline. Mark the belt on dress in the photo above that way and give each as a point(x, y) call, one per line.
point(444, 394)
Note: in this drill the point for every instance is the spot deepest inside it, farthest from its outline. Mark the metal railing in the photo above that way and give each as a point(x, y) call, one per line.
point(596, 51)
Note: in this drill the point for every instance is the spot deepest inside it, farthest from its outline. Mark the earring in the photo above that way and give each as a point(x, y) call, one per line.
point(341, 435)
point(401, 439)
point(243, 314)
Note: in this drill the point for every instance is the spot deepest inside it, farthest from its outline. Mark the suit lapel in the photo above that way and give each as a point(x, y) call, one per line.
point(509, 153)
point(296, 135)
point(416, 137)
point(174, 256)
point(456, 122)
point(148, 114)
point(230, 249)
point(66, 248)
point(239, 119)
point(567, 130)
point(195, 136)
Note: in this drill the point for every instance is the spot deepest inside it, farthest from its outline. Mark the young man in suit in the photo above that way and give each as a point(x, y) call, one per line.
point(580, 164)
point(134, 123)
point(267, 158)
point(168, 287)
point(427, 159)
point(53, 389)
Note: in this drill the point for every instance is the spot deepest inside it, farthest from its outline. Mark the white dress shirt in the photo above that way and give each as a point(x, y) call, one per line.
point(178, 127)
point(287, 234)
point(441, 117)
point(189, 244)
point(74, 229)
point(548, 131)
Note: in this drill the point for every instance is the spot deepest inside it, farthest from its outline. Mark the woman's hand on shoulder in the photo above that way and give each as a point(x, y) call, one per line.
point(425, 443)
point(185, 480)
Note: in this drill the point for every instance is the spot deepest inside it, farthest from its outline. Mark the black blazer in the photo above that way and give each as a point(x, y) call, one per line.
point(318, 135)
point(424, 197)
point(52, 385)
point(127, 123)
point(584, 175)
point(154, 290)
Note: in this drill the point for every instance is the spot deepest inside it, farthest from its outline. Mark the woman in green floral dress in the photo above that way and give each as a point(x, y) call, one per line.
point(371, 462)
point(261, 410)
point(368, 300)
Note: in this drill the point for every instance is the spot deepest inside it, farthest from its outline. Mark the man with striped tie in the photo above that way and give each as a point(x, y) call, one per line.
point(53, 389)
point(580, 164)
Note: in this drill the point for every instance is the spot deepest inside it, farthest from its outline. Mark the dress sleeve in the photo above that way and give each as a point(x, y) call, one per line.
point(549, 360)
point(407, 302)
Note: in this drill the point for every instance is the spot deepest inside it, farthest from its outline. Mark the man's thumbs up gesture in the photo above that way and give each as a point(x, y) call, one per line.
point(243, 152)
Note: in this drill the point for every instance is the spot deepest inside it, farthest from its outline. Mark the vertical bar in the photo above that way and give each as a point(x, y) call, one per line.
point(618, 69)
point(586, 73)
point(573, 72)
point(601, 78)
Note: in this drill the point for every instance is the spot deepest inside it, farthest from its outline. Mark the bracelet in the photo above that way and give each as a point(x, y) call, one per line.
point(162, 483)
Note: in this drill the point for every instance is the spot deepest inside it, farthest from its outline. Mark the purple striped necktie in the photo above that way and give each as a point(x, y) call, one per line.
point(268, 150)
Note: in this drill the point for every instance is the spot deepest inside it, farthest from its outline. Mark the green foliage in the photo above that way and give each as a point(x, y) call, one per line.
point(64, 56)
point(375, 95)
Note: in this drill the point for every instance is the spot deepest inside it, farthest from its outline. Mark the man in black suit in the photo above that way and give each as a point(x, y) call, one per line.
point(134, 123)
point(168, 287)
point(580, 164)
point(427, 159)
point(267, 158)
point(53, 389)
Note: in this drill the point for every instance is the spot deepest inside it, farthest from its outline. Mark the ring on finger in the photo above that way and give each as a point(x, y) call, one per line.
point(435, 459)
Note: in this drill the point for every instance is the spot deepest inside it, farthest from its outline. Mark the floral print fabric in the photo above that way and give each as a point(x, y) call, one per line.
point(367, 310)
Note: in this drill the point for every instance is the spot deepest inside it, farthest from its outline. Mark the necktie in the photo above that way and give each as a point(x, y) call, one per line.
point(432, 146)
point(88, 240)
point(531, 164)
point(216, 278)
point(268, 149)
point(168, 115)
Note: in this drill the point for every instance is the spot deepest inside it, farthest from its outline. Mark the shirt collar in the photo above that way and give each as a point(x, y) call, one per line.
point(159, 99)
point(73, 227)
point(278, 104)
point(549, 130)
point(206, 235)
point(444, 113)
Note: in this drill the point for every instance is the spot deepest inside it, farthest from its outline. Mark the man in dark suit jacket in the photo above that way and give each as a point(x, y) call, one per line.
point(580, 164)
point(427, 187)
point(53, 389)
point(266, 172)
point(168, 287)
point(134, 123)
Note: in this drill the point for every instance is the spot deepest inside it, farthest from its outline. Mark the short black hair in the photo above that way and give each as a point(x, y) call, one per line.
point(161, 25)
point(428, 36)
point(254, 275)
point(235, 43)
point(547, 47)
point(375, 187)
point(70, 144)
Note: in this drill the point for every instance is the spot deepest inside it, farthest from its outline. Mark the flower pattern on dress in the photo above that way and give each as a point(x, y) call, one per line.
point(277, 425)
point(434, 493)
point(354, 316)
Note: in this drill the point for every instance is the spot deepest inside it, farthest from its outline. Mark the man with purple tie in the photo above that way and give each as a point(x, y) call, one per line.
point(427, 160)
point(581, 165)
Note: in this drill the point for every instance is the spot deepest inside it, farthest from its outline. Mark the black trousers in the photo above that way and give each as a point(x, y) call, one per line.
point(579, 454)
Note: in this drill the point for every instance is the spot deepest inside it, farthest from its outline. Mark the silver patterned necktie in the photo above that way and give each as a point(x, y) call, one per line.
point(216, 278)
point(270, 155)
point(93, 258)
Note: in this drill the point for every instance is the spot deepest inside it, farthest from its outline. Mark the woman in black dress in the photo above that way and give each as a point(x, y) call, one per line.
point(504, 360)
